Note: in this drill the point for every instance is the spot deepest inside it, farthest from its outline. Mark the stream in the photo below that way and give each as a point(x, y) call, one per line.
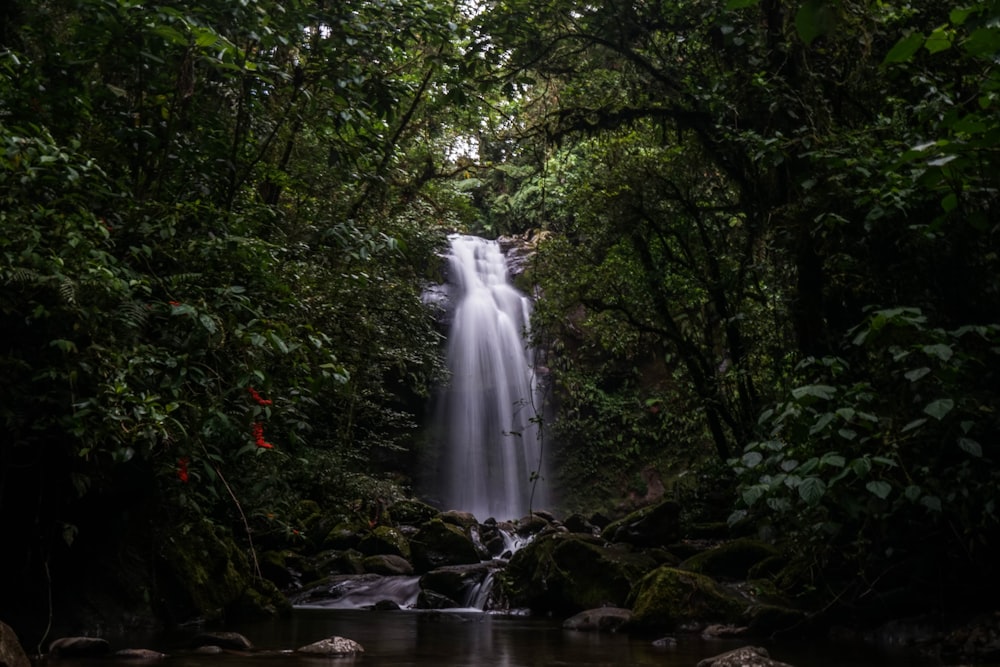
point(476, 639)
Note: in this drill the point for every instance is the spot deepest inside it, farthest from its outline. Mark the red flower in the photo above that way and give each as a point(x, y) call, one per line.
point(175, 304)
point(256, 397)
point(258, 435)
point(182, 468)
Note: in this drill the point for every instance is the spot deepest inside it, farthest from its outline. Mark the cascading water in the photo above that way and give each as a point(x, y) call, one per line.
point(491, 463)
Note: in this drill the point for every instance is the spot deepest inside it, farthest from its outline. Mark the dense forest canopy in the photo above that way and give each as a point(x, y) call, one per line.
point(765, 249)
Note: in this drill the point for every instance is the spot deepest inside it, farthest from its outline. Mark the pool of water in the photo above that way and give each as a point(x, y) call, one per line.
point(474, 639)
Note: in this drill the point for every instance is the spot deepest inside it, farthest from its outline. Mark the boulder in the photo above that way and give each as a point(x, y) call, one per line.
point(464, 520)
point(385, 540)
point(387, 564)
point(332, 647)
point(11, 652)
point(603, 619)
point(345, 535)
point(653, 526)
point(456, 582)
point(668, 597)
point(438, 544)
point(433, 600)
point(731, 560)
point(570, 572)
point(79, 647)
point(746, 656)
point(411, 512)
point(577, 523)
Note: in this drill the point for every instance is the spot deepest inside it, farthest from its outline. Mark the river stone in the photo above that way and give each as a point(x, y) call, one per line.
point(746, 656)
point(569, 573)
point(388, 564)
point(464, 520)
point(456, 581)
point(139, 654)
point(79, 647)
point(332, 647)
point(603, 619)
point(731, 560)
point(438, 544)
point(11, 652)
point(228, 640)
point(654, 526)
point(433, 600)
point(668, 597)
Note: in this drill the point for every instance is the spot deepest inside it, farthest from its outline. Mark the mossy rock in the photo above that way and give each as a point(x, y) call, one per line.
point(654, 526)
point(731, 560)
point(210, 576)
point(345, 535)
point(668, 597)
point(569, 573)
point(411, 512)
point(385, 540)
point(438, 544)
point(457, 581)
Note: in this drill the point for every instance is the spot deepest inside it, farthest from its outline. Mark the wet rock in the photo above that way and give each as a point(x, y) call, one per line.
point(433, 600)
point(227, 640)
point(139, 654)
point(438, 544)
point(731, 560)
point(387, 564)
point(667, 598)
point(345, 535)
point(385, 540)
point(464, 520)
point(569, 573)
point(208, 650)
point(577, 523)
point(11, 652)
point(653, 526)
point(665, 642)
point(531, 525)
point(411, 512)
point(332, 647)
point(723, 631)
point(603, 619)
point(746, 656)
point(386, 605)
point(456, 582)
point(79, 647)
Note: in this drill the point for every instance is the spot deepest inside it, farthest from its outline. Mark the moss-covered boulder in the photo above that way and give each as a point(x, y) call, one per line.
point(731, 560)
point(385, 540)
point(410, 512)
point(438, 544)
point(208, 575)
point(653, 526)
point(668, 597)
point(346, 534)
point(569, 572)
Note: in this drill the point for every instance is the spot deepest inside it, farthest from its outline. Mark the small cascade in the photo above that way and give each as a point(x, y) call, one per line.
point(362, 592)
point(491, 460)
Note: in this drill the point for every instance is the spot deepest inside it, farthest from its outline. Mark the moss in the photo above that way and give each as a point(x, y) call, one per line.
point(385, 540)
point(731, 560)
point(668, 597)
point(211, 577)
point(567, 573)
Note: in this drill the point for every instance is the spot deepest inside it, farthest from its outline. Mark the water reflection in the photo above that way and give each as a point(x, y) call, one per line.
point(473, 639)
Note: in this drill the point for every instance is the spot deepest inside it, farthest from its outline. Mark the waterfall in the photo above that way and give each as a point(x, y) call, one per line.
point(491, 449)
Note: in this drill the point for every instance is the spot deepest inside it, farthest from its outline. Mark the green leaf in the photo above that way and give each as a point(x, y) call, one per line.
point(833, 459)
point(904, 49)
point(916, 373)
point(933, 503)
point(939, 408)
point(861, 466)
point(939, 40)
point(941, 351)
point(740, 4)
point(958, 16)
point(752, 459)
point(879, 488)
point(811, 490)
point(912, 493)
point(916, 423)
point(983, 42)
point(820, 391)
point(971, 446)
point(814, 19)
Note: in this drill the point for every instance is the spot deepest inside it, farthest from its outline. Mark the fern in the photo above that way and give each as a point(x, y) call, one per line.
point(67, 290)
point(132, 314)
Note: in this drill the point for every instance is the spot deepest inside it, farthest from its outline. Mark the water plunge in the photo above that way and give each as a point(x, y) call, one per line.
point(491, 463)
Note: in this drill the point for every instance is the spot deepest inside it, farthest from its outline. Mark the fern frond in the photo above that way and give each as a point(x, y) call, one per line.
point(132, 314)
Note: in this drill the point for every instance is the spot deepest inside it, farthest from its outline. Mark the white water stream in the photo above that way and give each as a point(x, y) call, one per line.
point(491, 463)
